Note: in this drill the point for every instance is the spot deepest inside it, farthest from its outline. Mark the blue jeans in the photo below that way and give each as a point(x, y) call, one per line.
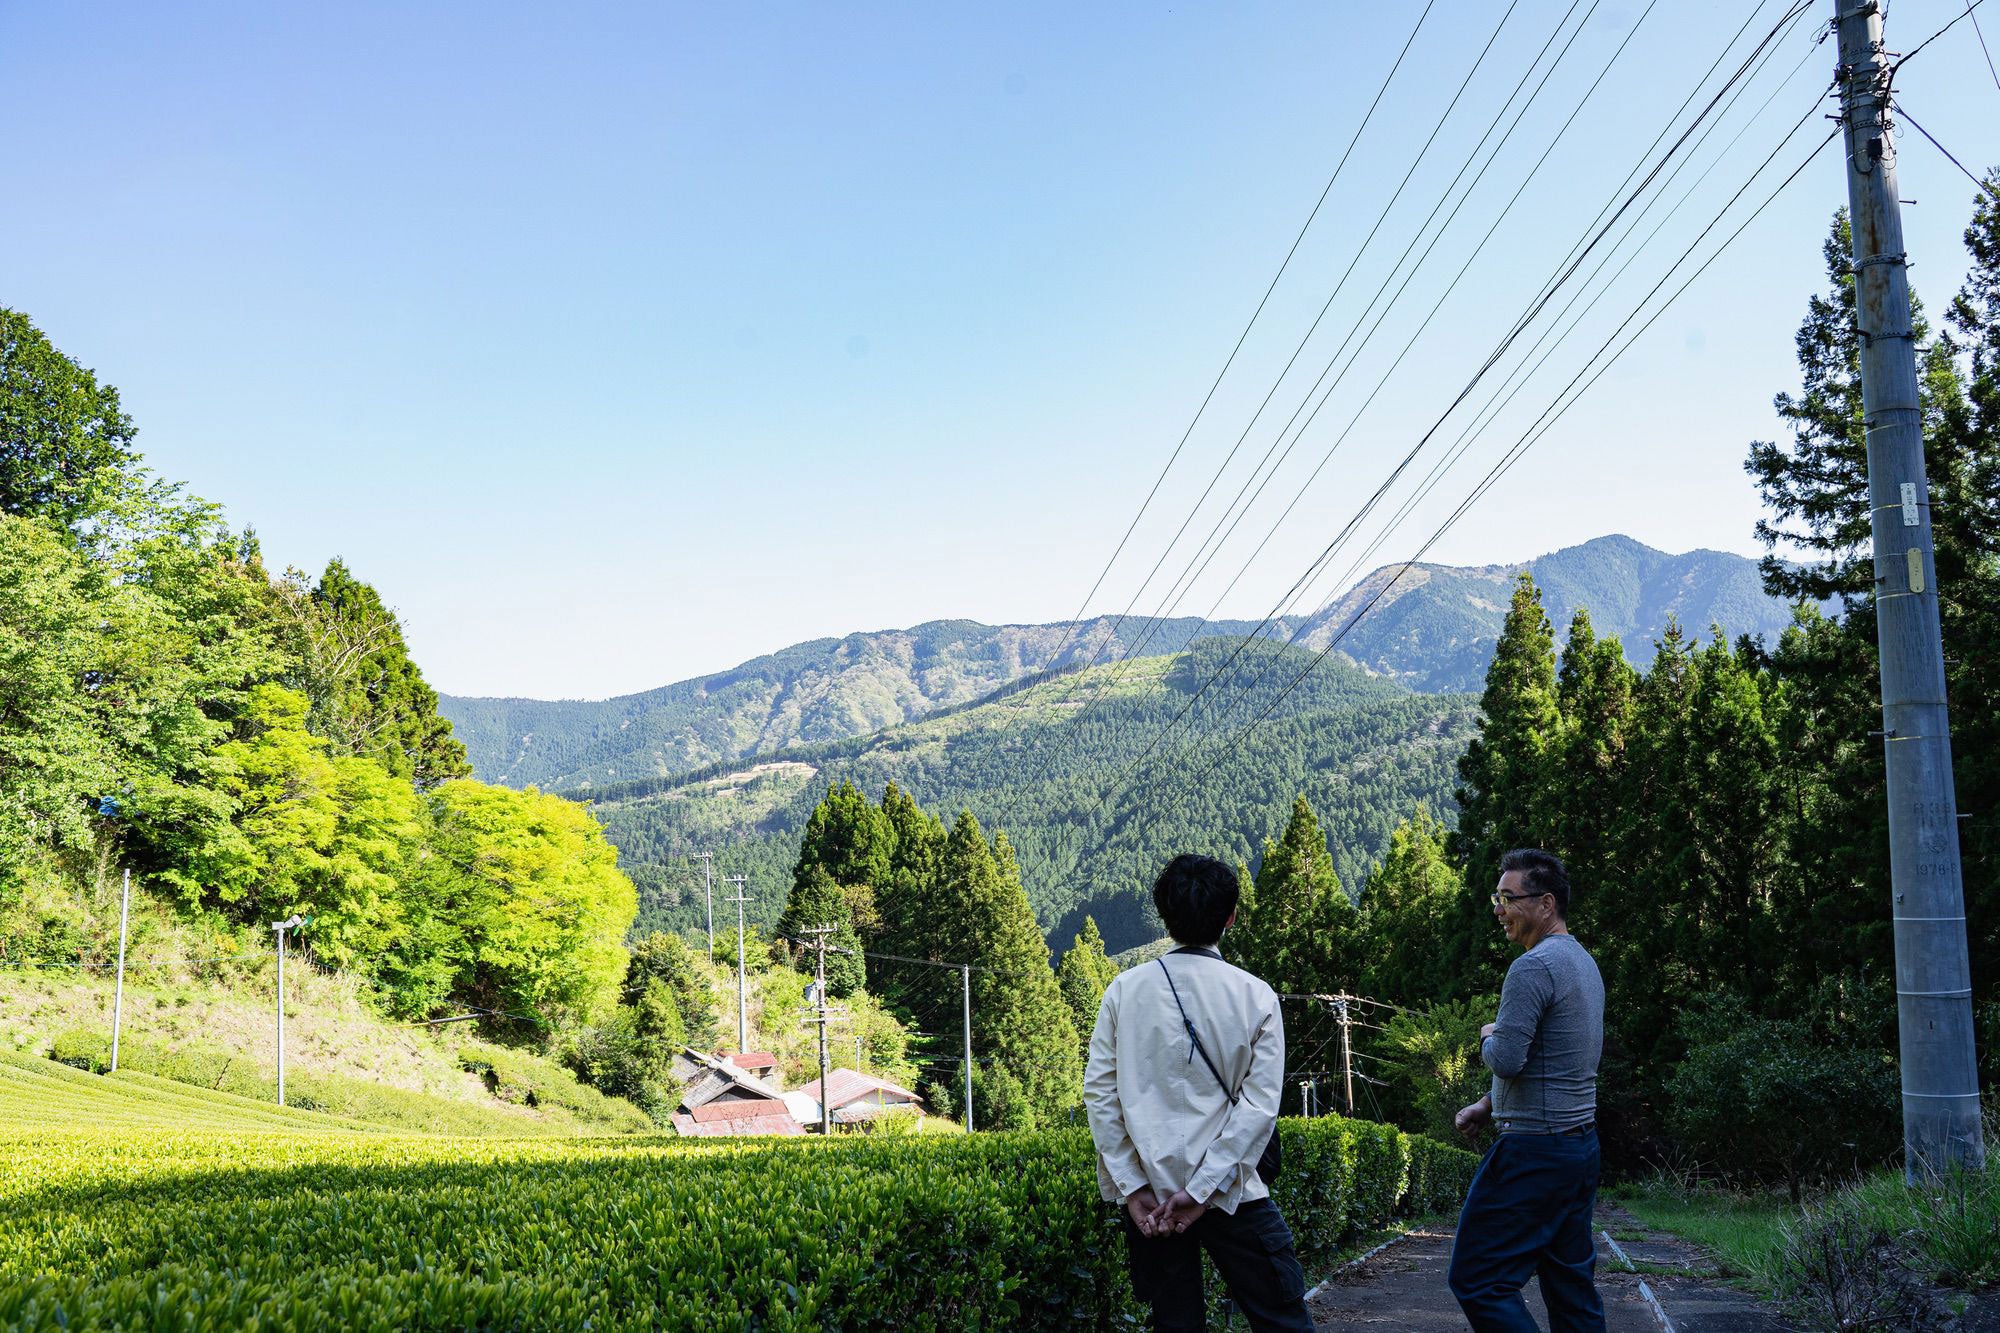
point(1528, 1215)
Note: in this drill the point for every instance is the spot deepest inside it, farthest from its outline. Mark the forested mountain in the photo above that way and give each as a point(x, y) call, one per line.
point(1045, 763)
point(1434, 630)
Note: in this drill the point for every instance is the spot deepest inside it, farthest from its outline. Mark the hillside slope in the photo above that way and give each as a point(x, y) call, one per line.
point(1063, 766)
point(1433, 631)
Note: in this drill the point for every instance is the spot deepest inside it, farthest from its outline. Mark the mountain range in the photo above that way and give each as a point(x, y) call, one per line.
point(1427, 628)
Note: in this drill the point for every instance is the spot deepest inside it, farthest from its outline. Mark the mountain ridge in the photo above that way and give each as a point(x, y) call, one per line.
point(1432, 631)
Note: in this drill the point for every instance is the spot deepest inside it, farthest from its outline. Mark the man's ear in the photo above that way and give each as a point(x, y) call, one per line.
point(1232, 919)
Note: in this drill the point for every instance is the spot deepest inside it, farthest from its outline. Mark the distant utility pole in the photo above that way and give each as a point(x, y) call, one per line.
point(290, 923)
point(1941, 1124)
point(818, 936)
point(742, 989)
point(965, 978)
point(1346, 1053)
point(707, 860)
point(118, 995)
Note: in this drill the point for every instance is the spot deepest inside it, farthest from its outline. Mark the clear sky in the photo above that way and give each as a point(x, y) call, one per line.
point(617, 343)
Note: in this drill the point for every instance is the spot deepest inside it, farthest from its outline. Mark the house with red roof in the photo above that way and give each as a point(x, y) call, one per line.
point(720, 1097)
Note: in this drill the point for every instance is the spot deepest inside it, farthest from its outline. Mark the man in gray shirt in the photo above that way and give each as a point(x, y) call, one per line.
point(1529, 1210)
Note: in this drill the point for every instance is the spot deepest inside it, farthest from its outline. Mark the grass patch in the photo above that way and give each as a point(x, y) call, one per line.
point(1743, 1232)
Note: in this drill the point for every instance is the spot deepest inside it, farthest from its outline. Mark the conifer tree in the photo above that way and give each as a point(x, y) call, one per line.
point(916, 855)
point(1594, 697)
point(1019, 1021)
point(1302, 932)
point(1503, 775)
point(1083, 976)
point(815, 900)
point(853, 843)
point(1407, 908)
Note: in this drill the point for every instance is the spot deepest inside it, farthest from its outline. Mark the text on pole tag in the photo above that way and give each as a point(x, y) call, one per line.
point(1909, 504)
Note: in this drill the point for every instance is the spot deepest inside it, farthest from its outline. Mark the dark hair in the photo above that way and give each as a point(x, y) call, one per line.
point(1195, 896)
point(1541, 873)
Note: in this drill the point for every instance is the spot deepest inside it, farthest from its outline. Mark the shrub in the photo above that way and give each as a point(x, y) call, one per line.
point(1759, 1099)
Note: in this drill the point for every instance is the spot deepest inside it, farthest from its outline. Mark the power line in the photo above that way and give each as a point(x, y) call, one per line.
point(1904, 112)
point(1564, 273)
point(1084, 606)
point(1538, 429)
point(1232, 516)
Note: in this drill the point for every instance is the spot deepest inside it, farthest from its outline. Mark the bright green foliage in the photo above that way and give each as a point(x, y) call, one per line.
point(540, 895)
point(368, 697)
point(65, 444)
point(1298, 929)
point(1435, 1049)
point(1407, 903)
point(326, 836)
point(355, 1230)
point(1084, 974)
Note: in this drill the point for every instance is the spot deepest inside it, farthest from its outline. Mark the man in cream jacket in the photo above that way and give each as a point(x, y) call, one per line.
point(1186, 1063)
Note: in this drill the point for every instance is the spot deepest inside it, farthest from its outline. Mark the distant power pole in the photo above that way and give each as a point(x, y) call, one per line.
point(118, 996)
point(742, 988)
point(707, 860)
point(1941, 1125)
point(965, 978)
point(1346, 1056)
point(818, 935)
point(291, 923)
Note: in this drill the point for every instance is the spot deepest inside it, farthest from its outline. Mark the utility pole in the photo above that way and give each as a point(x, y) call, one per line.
point(818, 935)
point(742, 988)
point(858, 1067)
point(965, 977)
point(1941, 1114)
point(291, 923)
point(1346, 1053)
point(118, 995)
point(707, 860)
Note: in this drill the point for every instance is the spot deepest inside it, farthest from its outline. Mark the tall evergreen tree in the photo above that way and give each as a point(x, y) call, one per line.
point(1503, 776)
point(1299, 931)
point(368, 697)
point(815, 901)
point(1407, 905)
point(1019, 1021)
point(1594, 697)
point(65, 443)
point(853, 842)
point(1083, 976)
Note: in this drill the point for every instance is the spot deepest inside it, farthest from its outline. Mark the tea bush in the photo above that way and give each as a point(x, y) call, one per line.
point(213, 1225)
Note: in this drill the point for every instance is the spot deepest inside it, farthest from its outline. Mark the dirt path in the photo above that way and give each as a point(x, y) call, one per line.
point(1403, 1287)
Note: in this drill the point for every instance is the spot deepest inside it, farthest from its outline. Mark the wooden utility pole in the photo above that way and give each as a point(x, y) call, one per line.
point(118, 996)
point(292, 922)
point(742, 987)
point(818, 935)
point(1941, 1125)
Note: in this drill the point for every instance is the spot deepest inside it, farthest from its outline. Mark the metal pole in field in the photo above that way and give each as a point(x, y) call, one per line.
point(965, 977)
point(118, 996)
point(1941, 1113)
point(742, 987)
point(291, 923)
point(819, 935)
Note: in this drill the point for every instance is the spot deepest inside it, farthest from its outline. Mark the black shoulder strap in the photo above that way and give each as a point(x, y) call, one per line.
point(1193, 1036)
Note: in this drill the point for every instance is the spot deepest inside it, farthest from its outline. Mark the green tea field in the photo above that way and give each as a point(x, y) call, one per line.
point(134, 1203)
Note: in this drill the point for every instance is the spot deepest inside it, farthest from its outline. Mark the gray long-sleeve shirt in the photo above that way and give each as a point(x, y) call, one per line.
point(1547, 1040)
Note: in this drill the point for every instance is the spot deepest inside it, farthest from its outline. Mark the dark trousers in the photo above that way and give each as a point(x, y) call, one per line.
point(1528, 1215)
point(1251, 1248)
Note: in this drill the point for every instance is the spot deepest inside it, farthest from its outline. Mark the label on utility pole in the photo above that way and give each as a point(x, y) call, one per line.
point(1909, 504)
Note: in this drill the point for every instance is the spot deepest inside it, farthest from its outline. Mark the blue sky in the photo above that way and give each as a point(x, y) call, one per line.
point(619, 343)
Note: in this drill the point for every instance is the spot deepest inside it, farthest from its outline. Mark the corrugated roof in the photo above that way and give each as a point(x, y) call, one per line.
point(776, 1121)
point(850, 1085)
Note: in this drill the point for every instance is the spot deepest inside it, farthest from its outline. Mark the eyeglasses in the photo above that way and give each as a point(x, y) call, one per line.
point(1512, 897)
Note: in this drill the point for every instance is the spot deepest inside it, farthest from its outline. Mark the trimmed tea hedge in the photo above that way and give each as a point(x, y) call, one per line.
point(163, 1229)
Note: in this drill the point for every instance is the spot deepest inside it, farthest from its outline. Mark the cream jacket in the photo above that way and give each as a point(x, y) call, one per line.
point(1157, 1115)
